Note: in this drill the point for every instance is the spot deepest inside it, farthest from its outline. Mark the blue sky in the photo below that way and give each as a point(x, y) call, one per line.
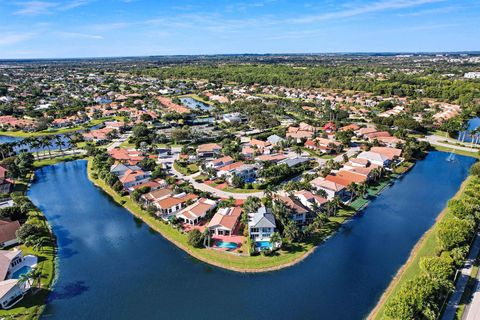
point(103, 28)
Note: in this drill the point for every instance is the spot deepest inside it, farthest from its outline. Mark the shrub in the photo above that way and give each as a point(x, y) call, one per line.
point(195, 238)
point(28, 230)
point(454, 232)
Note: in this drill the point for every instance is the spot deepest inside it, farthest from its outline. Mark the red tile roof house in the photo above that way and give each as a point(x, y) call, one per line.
point(299, 212)
point(133, 178)
point(308, 199)
point(225, 221)
point(8, 233)
point(391, 142)
point(329, 127)
point(390, 153)
point(330, 187)
point(263, 147)
point(375, 135)
point(97, 135)
point(131, 156)
point(194, 213)
point(321, 144)
point(6, 184)
point(350, 127)
point(172, 204)
point(156, 195)
point(220, 162)
point(152, 184)
point(208, 150)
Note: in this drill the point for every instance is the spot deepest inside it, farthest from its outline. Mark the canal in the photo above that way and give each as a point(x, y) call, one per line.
point(113, 266)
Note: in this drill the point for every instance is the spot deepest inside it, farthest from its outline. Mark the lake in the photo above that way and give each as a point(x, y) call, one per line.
point(8, 139)
point(195, 104)
point(113, 266)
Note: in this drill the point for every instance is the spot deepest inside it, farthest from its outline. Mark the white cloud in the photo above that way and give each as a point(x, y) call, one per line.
point(35, 8)
point(32, 8)
point(13, 38)
point(378, 6)
point(80, 35)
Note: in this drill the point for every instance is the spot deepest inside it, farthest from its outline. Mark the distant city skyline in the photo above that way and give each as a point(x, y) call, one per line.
point(113, 28)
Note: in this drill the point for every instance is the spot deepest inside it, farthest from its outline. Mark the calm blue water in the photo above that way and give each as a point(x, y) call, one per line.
point(263, 244)
point(473, 124)
point(195, 104)
point(19, 272)
point(112, 266)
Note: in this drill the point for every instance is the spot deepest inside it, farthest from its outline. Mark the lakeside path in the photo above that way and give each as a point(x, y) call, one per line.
point(465, 272)
point(424, 247)
point(437, 140)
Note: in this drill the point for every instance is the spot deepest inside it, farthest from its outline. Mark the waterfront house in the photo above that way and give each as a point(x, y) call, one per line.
point(8, 233)
point(261, 224)
point(390, 153)
point(119, 169)
point(10, 260)
point(309, 199)
point(11, 292)
point(172, 204)
point(299, 213)
point(133, 178)
point(374, 158)
point(330, 187)
point(194, 213)
point(225, 221)
point(156, 195)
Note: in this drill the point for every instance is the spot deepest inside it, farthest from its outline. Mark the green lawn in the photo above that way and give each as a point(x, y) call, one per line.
point(48, 162)
point(456, 151)
point(22, 134)
point(424, 248)
point(32, 305)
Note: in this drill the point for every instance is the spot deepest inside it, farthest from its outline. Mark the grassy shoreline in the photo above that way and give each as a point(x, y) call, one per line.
point(423, 248)
point(22, 134)
point(237, 263)
point(245, 264)
point(33, 305)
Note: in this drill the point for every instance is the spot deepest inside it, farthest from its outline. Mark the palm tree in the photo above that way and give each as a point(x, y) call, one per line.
point(25, 278)
point(46, 142)
point(40, 243)
point(352, 188)
point(336, 202)
point(274, 239)
point(60, 143)
point(35, 145)
point(36, 276)
point(362, 189)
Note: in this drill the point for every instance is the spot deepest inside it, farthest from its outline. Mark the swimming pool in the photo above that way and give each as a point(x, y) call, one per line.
point(263, 245)
point(226, 245)
point(19, 272)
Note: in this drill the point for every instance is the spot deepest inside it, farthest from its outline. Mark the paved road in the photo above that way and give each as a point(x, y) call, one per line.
point(436, 140)
point(217, 192)
point(465, 272)
point(116, 143)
